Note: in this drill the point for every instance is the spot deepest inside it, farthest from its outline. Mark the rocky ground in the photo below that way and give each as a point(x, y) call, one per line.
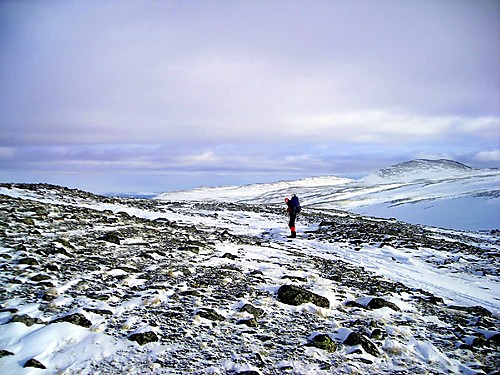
point(186, 287)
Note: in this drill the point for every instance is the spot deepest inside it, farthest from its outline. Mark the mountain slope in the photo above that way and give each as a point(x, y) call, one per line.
point(94, 284)
point(440, 193)
point(148, 286)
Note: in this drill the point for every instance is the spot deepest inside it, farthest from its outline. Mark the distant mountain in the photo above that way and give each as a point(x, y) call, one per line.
point(441, 193)
point(420, 169)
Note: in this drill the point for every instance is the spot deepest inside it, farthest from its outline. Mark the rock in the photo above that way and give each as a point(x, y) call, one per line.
point(255, 311)
point(210, 315)
point(76, 319)
point(5, 353)
point(25, 319)
point(34, 363)
point(230, 256)
point(50, 294)
point(355, 338)
point(28, 221)
point(495, 339)
point(378, 334)
point(323, 341)
point(40, 277)
point(249, 322)
point(29, 261)
point(378, 303)
point(111, 237)
point(247, 372)
point(144, 337)
point(354, 304)
point(294, 295)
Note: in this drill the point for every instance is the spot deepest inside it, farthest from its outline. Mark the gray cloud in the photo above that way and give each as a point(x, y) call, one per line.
point(247, 86)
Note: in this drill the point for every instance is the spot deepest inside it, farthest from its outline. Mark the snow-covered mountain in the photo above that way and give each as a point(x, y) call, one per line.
point(441, 193)
point(100, 285)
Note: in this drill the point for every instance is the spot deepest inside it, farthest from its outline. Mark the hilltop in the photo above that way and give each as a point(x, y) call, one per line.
point(93, 284)
point(441, 193)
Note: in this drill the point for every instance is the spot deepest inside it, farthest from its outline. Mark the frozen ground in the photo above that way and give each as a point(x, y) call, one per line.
point(91, 284)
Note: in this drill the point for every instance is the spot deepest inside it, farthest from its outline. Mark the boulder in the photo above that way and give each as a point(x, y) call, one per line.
point(378, 303)
point(210, 315)
point(252, 322)
point(143, 338)
point(255, 311)
point(355, 338)
point(323, 341)
point(34, 363)
point(76, 319)
point(294, 295)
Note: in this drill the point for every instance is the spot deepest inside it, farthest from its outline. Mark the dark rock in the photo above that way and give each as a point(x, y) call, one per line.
point(25, 319)
point(378, 303)
point(29, 261)
point(476, 310)
point(378, 334)
point(495, 339)
point(369, 346)
point(191, 249)
point(34, 363)
point(144, 337)
point(77, 319)
point(295, 278)
point(247, 372)
point(355, 338)
point(28, 221)
point(230, 256)
point(5, 353)
point(479, 341)
point(249, 322)
point(323, 341)
point(99, 311)
point(255, 311)
point(294, 295)
point(210, 315)
point(354, 304)
point(40, 277)
point(111, 237)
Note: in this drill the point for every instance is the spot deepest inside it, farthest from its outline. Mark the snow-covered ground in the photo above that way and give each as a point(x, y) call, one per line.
point(175, 260)
point(440, 193)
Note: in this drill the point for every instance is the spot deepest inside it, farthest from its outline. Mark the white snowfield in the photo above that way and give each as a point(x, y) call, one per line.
point(441, 193)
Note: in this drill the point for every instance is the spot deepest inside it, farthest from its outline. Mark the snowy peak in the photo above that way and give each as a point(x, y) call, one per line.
point(419, 169)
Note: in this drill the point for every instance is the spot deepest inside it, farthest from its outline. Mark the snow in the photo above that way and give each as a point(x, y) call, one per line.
point(67, 348)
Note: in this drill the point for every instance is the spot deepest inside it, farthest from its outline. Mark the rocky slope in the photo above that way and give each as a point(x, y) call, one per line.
point(112, 285)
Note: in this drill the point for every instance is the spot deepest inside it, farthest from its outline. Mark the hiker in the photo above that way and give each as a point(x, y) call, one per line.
point(293, 209)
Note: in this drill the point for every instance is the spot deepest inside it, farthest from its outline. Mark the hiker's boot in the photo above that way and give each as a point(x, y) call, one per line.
point(293, 233)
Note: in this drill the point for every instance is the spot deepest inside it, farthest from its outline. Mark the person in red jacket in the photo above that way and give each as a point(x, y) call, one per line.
point(292, 209)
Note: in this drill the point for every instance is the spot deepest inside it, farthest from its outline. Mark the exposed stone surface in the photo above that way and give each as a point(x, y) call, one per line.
point(323, 341)
point(294, 295)
point(144, 338)
point(34, 363)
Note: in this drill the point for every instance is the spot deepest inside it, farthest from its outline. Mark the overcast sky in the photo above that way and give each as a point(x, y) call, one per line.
point(162, 95)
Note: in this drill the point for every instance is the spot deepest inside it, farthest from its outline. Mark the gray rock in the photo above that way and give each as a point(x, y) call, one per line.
point(378, 303)
point(77, 319)
point(144, 337)
point(323, 341)
point(255, 311)
point(210, 315)
point(34, 363)
point(294, 295)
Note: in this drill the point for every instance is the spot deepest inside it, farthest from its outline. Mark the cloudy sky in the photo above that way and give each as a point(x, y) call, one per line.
point(162, 95)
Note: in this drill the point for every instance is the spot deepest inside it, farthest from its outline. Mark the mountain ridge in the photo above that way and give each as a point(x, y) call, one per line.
point(442, 193)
